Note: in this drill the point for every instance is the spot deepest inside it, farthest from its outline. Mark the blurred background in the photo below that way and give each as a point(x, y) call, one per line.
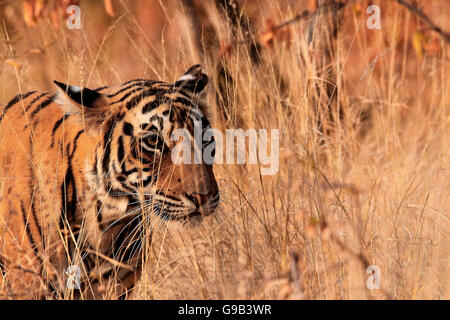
point(363, 116)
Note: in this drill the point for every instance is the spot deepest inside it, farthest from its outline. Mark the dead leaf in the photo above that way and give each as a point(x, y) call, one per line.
point(312, 5)
point(14, 64)
point(284, 292)
point(225, 50)
point(38, 8)
point(266, 38)
point(35, 51)
point(109, 8)
point(28, 13)
point(419, 41)
point(312, 227)
point(358, 9)
point(54, 17)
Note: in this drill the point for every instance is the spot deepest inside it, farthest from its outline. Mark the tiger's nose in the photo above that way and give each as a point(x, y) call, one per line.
point(199, 199)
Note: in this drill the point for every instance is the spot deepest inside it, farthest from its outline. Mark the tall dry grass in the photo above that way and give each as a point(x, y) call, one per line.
point(364, 169)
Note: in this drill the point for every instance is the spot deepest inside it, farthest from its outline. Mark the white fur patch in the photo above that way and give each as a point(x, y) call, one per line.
point(75, 89)
point(186, 77)
point(65, 103)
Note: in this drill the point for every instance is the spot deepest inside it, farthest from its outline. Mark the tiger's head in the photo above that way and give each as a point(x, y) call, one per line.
point(134, 124)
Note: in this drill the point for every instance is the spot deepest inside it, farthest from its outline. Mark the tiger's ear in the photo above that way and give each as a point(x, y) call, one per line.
point(193, 80)
point(91, 107)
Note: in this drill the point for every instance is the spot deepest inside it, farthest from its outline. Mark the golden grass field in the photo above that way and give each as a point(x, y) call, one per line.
point(364, 166)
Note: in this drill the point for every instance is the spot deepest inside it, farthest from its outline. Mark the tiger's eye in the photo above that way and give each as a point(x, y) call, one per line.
point(151, 140)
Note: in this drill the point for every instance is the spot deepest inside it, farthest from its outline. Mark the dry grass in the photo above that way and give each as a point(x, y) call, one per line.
point(370, 187)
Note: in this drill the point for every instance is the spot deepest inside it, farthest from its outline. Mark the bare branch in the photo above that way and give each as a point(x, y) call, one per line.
point(425, 18)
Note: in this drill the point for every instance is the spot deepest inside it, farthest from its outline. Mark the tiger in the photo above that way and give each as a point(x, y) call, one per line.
point(85, 173)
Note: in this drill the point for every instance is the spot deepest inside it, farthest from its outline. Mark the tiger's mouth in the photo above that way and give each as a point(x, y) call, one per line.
point(179, 213)
point(196, 215)
point(192, 219)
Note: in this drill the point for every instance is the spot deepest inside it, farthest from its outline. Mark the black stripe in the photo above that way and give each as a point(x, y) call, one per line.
point(122, 89)
point(128, 129)
point(13, 101)
point(120, 116)
point(2, 265)
point(75, 143)
point(128, 172)
point(101, 88)
point(107, 144)
point(134, 153)
point(43, 105)
point(118, 193)
point(161, 193)
point(120, 150)
point(145, 81)
point(148, 158)
point(159, 99)
point(68, 205)
point(153, 91)
point(33, 101)
point(62, 218)
point(121, 178)
point(133, 80)
point(36, 220)
point(99, 211)
point(105, 160)
point(125, 96)
point(56, 126)
point(143, 183)
point(184, 101)
point(161, 201)
point(28, 231)
point(33, 212)
point(94, 170)
point(70, 182)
